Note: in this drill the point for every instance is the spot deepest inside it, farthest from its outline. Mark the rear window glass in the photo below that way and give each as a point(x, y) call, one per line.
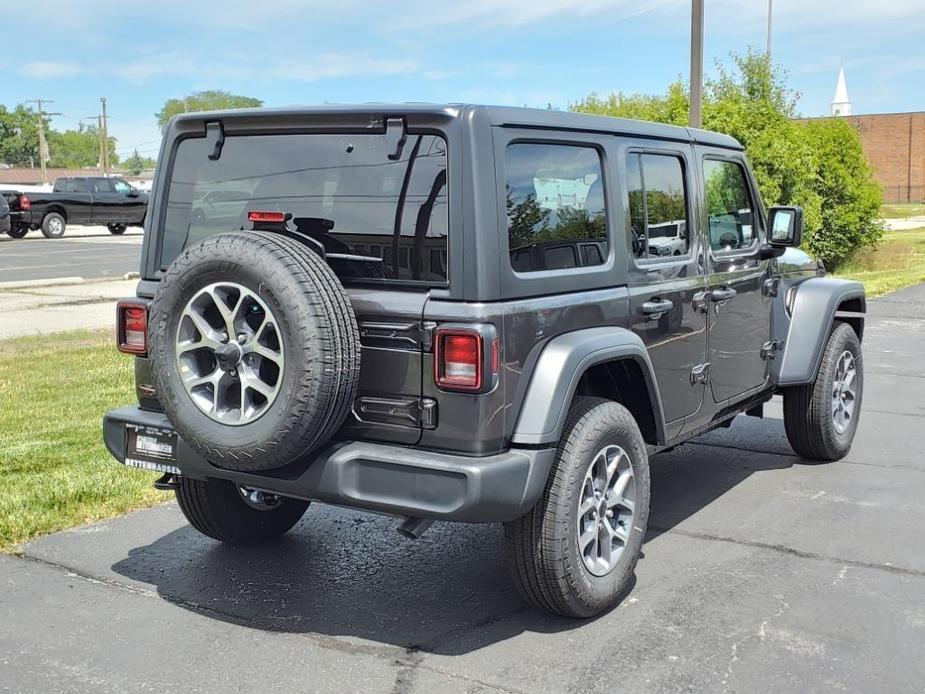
point(378, 218)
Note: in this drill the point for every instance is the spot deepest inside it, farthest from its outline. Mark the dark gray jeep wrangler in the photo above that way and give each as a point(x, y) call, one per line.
point(467, 313)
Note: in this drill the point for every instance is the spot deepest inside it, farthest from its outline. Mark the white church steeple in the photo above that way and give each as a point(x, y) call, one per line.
point(841, 106)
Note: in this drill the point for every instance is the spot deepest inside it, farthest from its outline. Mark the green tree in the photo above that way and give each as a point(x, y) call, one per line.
point(209, 100)
point(19, 136)
point(137, 163)
point(793, 163)
point(74, 149)
point(850, 196)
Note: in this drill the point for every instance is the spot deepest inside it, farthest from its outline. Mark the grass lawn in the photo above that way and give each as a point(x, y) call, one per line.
point(899, 261)
point(902, 211)
point(55, 471)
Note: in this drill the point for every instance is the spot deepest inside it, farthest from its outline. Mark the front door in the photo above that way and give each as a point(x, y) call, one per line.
point(665, 273)
point(738, 285)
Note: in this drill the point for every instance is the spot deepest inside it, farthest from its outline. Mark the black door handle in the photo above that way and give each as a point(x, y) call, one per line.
point(656, 307)
point(722, 295)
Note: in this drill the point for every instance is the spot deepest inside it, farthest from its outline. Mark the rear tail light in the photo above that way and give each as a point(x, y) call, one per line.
point(25, 204)
point(132, 326)
point(466, 357)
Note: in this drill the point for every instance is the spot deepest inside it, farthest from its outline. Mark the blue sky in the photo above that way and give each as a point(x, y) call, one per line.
point(139, 54)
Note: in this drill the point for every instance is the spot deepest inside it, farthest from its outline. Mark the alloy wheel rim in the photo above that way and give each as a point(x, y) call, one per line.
point(55, 225)
point(229, 353)
point(844, 392)
point(606, 509)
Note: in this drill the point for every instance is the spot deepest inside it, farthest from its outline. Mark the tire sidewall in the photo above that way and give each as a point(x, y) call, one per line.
point(842, 339)
point(607, 427)
point(193, 424)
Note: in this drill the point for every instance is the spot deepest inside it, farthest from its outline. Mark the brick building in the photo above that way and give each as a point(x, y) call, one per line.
point(894, 144)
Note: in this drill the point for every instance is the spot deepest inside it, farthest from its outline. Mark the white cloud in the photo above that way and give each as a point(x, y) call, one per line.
point(45, 70)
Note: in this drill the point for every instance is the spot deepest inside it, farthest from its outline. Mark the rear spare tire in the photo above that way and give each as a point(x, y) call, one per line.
point(255, 350)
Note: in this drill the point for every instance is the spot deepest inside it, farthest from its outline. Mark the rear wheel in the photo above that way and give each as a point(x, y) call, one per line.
point(116, 229)
point(237, 515)
point(53, 226)
point(821, 418)
point(575, 552)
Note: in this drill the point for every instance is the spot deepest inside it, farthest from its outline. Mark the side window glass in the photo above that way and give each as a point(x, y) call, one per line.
point(555, 201)
point(658, 206)
point(729, 205)
point(79, 185)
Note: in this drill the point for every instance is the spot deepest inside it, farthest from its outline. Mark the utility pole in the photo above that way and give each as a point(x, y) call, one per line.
point(696, 110)
point(43, 146)
point(98, 119)
point(769, 30)
point(104, 132)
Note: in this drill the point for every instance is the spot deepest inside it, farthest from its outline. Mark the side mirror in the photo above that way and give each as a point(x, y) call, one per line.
point(133, 192)
point(785, 226)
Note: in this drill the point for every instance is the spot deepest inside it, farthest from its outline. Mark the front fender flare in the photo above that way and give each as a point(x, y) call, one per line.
point(561, 365)
point(812, 313)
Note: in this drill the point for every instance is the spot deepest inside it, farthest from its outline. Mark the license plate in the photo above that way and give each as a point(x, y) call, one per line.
point(151, 448)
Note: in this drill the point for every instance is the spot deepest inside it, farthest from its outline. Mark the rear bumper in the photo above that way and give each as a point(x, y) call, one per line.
point(378, 477)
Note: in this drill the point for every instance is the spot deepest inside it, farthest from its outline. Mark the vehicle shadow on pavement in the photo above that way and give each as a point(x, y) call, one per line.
point(348, 574)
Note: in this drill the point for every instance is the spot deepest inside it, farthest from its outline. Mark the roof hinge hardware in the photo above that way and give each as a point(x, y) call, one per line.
point(700, 373)
point(215, 135)
point(396, 135)
point(770, 349)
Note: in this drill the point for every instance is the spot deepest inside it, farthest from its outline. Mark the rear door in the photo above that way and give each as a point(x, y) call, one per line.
point(376, 204)
point(740, 285)
point(106, 202)
point(666, 281)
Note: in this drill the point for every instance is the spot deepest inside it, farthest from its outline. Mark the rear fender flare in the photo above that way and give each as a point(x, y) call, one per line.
point(560, 367)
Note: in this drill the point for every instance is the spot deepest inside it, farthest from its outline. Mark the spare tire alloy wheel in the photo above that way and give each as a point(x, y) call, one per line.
point(254, 349)
point(231, 372)
point(116, 229)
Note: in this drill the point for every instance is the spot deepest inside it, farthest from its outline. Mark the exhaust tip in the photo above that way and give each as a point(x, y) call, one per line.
point(413, 528)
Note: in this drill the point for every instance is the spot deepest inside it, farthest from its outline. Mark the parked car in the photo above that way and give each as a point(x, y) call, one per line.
point(372, 335)
point(5, 225)
point(82, 200)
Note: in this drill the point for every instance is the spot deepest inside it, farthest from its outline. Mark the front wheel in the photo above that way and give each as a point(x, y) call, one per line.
point(237, 515)
point(821, 418)
point(53, 226)
point(575, 552)
point(116, 229)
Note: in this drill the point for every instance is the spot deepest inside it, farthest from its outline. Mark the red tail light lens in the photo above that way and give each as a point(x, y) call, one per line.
point(25, 203)
point(458, 359)
point(266, 216)
point(132, 326)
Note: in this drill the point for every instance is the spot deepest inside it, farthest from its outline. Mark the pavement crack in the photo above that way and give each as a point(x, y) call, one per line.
point(407, 659)
point(783, 549)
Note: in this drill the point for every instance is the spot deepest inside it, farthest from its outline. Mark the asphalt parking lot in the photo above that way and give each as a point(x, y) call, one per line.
point(87, 252)
point(761, 572)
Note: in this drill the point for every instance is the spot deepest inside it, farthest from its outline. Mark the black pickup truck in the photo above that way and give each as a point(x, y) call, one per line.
point(78, 200)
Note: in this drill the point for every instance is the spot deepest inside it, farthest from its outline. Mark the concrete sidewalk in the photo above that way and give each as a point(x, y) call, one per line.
point(36, 310)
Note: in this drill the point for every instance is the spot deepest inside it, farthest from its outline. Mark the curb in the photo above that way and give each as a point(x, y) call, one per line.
point(64, 281)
